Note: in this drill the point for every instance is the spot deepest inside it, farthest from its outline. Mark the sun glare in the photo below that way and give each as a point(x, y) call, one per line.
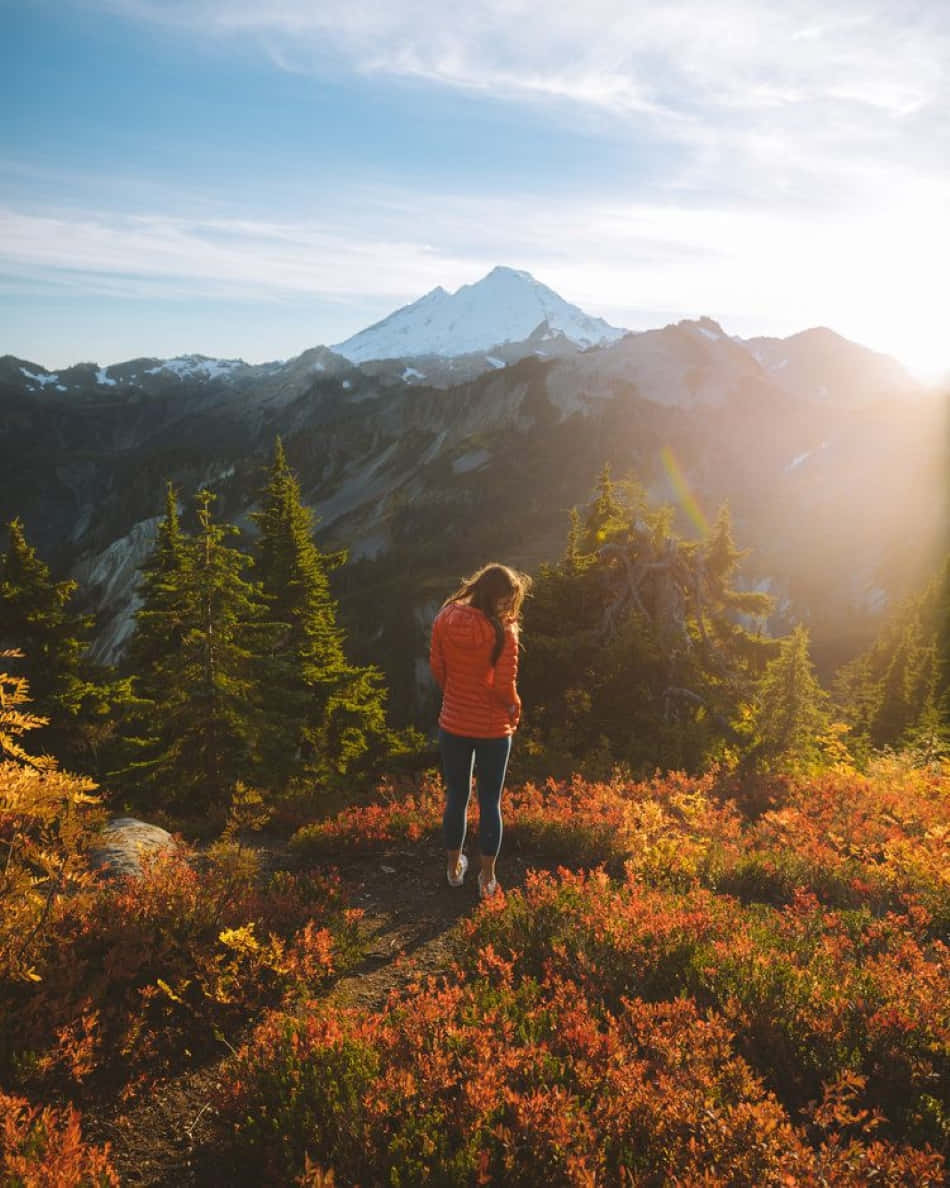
point(901, 261)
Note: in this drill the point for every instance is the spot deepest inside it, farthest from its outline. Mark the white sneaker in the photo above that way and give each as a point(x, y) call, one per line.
point(486, 890)
point(457, 877)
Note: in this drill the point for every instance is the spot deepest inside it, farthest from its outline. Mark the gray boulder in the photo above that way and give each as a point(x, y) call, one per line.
point(122, 843)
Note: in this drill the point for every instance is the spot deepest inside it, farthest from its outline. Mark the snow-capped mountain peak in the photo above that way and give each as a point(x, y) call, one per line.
point(507, 305)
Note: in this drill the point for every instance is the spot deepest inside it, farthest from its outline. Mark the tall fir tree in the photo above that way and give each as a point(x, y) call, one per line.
point(201, 687)
point(907, 689)
point(159, 621)
point(37, 618)
point(722, 558)
point(732, 653)
point(942, 643)
point(791, 708)
point(325, 716)
point(899, 688)
point(607, 514)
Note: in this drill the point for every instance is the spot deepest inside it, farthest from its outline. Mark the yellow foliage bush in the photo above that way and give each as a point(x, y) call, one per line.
point(47, 817)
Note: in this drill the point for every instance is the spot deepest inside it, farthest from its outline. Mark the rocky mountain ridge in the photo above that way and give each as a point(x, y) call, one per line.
point(825, 459)
point(443, 340)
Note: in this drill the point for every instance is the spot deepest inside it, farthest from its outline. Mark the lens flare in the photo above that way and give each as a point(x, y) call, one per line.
point(681, 488)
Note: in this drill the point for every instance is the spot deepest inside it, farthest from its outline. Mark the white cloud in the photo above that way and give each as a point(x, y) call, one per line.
point(220, 255)
point(688, 50)
point(762, 98)
point(809, 179)
point(875, 276)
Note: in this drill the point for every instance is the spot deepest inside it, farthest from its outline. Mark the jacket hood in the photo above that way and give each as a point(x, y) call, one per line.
point(466, 626)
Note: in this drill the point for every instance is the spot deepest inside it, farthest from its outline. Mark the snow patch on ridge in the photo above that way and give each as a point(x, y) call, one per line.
point(191, 366)
point(42, 380)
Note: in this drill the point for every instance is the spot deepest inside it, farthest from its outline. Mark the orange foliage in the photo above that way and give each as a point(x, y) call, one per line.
point(158, 965)
point(46, 819)
point(43, 1148)
point(725, 1000)
point(506, 1079)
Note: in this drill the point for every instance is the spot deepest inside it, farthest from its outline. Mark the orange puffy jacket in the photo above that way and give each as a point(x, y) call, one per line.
point(479, 699)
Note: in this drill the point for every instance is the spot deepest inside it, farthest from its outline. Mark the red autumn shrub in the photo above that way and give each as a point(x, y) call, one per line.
point(399, 815)
point(159, 966)
point(672, 827)
point(41, 1147)
point(490, 1083)
point(878, 840)
point(506, 1079)
point(810, 993)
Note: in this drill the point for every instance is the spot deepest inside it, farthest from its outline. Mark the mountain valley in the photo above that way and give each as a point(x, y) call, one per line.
point(423, 465)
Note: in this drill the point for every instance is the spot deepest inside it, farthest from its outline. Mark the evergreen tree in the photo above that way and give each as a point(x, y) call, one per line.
point(608, 514)
point(325, 715)
point(36, 618)
point(731, 655)
point(907, 688)
point(201, 689)
point(899, 688)
point(855, 693)
point(634, 648)
point(942, 644)
point(722, 558)
point(572, 551)
point(160, 620)
point(790, 704)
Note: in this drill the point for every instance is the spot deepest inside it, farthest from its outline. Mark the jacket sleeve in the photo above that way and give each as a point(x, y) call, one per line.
point(506, 671)
point(436, 656)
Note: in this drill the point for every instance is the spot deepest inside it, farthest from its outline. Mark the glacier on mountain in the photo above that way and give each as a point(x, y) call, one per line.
point(507, 305)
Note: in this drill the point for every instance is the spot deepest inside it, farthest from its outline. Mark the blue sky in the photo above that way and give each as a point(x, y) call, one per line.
point(248, 180)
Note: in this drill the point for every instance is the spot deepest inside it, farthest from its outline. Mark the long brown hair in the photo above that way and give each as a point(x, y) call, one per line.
point(498, 592)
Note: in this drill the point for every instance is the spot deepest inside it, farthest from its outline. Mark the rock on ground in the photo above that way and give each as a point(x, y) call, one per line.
point(122, 843)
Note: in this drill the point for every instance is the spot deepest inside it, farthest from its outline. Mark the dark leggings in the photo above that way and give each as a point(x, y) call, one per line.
point(489, 759)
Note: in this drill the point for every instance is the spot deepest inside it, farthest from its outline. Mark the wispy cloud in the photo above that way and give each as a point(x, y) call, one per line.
point(158, 255)
point(765, 98)
point(808, 179)
point(874, 276)
point(657, 58)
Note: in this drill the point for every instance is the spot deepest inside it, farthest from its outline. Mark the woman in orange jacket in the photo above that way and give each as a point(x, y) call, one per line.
point(474, 659)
